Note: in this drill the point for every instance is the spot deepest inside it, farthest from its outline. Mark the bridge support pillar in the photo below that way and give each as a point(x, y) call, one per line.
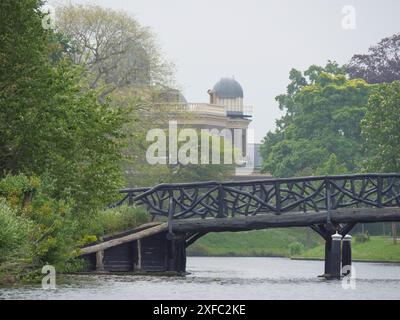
point(346, 254)
point(335, 256)
point(328, 256)
point(176, 253)
point(99, 260)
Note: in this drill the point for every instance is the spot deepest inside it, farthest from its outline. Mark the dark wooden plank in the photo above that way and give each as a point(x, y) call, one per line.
point(131, 237)
point(153, 252)
point(299, 219)
point(120, 258)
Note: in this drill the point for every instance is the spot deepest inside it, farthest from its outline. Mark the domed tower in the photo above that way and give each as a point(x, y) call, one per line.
point(229, 93)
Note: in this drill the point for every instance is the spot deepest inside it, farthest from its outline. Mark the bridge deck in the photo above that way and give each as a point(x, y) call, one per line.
point(242, 223)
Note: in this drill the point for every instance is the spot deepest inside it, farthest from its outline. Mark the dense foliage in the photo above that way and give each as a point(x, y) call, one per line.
point(36, 229)
point(380, 65)
point(48, 124)
point(320, 132)
point(60, 149)
point(381, 129)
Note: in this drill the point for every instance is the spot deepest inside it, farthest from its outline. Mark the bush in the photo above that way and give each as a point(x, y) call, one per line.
point(361, 237)
point(37, 229)
point(14, 232)
point(296, 248)
point(119, 219)
point(18, 189)
point(53, 228)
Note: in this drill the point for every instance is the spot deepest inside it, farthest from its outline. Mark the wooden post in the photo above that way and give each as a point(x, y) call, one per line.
point(138, 265)
point(328, 247)
point(328, 202)
point(346, 253)
point(278, 200)
point(183, 251)
point(336, 256)
point(172, 253)
point(130, 199)
point(170, 235)
point(99, 260)
point(221, 202)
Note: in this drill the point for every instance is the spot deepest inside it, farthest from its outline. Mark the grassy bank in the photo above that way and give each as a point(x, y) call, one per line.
point(280, 242)
point(376, 249)
point(273, 242)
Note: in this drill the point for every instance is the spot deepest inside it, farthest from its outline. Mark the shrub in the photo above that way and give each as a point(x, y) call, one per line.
point(36, 228)
point(118, 219)
point(14, 231)
point(296, 248)
point(17, 189)
point(53, 227)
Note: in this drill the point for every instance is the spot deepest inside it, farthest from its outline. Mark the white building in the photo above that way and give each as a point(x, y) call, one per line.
point(225, 110)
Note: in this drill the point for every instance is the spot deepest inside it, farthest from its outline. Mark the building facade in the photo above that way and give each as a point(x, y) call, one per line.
point(225, 112)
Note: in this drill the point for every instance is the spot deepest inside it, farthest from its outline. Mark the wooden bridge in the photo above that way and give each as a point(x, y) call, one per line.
point(182, 213)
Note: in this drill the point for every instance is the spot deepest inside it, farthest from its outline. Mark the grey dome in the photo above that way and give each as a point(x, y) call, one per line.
point(228, 88)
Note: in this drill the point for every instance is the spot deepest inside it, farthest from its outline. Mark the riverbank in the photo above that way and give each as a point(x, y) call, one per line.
point(261, 243)
point(377, 249)
point(280, 243)
point(353, 260)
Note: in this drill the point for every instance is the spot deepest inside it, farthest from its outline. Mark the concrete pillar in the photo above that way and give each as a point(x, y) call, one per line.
point(346, 253)
point(336, 256)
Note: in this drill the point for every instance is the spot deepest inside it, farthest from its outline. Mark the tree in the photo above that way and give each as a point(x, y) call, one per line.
point(322, 123)
point(380, 65)
point(380, 128)
point(120, 58)
point(332, 167)
point(114, 49)
point(48, 124)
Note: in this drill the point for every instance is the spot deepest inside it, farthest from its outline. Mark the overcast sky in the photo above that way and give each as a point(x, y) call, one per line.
point(256, 41)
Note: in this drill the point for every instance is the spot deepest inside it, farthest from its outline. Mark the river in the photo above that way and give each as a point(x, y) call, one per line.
point(226, 278)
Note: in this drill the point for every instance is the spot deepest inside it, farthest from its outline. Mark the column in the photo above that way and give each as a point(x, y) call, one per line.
point(336, 256)
point(346, 253)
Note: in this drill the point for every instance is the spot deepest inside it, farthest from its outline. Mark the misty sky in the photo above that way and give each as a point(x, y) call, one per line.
point(256, 41)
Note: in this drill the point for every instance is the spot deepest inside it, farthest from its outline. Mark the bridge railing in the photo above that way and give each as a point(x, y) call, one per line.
point(272, 196)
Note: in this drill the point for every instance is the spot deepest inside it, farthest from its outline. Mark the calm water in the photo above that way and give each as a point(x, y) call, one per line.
point(227, 278)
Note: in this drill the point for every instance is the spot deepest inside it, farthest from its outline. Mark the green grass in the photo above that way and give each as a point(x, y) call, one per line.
point(376, 249)
point(273, 242)
point(276, 242)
